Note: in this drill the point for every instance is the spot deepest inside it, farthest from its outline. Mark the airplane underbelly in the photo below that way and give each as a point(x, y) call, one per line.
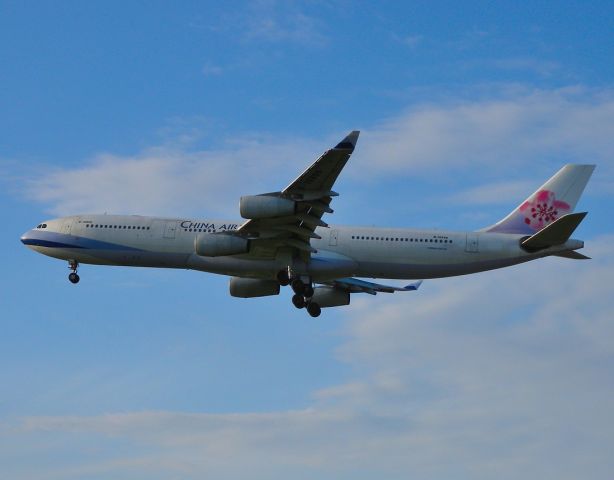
point(118, 257)
point(417, 271)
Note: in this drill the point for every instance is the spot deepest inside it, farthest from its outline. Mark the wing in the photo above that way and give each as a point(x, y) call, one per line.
point(312, 194)
point(354, 285)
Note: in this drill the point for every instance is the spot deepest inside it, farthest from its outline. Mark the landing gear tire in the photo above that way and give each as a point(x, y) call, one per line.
point(298, 286)
point(282, 278)
point(73, 277)
point(308, 291)
point(314, 309)
point(298, 301)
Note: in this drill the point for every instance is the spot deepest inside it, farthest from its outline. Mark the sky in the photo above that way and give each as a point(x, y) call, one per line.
point(179, 108)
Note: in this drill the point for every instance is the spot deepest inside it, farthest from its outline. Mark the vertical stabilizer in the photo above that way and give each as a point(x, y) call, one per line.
point(555, 198)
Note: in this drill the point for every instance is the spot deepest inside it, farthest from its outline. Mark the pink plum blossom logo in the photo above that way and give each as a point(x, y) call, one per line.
point(543, 209)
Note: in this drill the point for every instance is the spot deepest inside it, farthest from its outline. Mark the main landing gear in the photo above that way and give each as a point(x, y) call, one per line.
point(303, 292)
point(73, 277)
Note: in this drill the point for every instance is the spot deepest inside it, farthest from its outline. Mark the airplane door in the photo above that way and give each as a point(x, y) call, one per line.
point(170, 228)
point(472, 243)
point(66, 227)
point(333, 238)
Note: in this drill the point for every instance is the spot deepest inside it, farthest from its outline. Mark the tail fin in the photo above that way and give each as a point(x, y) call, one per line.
point(555, 198)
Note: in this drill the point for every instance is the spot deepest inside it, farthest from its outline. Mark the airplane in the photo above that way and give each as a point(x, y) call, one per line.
point(283, 240)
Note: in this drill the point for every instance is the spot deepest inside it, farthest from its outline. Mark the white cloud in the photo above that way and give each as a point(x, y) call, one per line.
point(210, 70)
point(283, 22)
point(493, 193)
point(411, 41)
point(170, 180)
point(545, 68)
point(514, 131)
point(482, 140)
point(505, 374)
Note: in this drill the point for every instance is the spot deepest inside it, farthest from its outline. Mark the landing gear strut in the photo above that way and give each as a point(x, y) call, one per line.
point(73, 277)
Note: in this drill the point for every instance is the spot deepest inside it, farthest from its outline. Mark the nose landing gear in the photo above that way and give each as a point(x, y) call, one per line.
point(73, 277)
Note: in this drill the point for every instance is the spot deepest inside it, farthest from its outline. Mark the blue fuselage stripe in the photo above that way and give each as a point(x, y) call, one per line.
point(60, 240)
point(47, 243)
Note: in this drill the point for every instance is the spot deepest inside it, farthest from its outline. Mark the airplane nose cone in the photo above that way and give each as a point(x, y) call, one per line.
point(26, 237)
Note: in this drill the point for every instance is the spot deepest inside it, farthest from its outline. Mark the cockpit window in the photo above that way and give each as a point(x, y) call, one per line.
point(41, 225)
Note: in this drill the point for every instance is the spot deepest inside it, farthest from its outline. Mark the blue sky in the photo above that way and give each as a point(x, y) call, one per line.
point(166, 109)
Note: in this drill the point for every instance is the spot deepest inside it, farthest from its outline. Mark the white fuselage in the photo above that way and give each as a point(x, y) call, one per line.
point(342, 250)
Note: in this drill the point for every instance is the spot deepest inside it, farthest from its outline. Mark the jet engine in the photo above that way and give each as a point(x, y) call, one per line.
point(253, 287)
point(330, 297)
point(266, 206)
point(217, 245)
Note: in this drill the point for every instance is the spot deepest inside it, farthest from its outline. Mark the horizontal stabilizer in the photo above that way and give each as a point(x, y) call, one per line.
point(355, 285)
point(557, 233)
point(572, 254)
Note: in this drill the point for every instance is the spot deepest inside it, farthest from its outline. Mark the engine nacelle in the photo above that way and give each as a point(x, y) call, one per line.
point(253, 287)
point(217, 245)
point(330, 297)
point(265, 206)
